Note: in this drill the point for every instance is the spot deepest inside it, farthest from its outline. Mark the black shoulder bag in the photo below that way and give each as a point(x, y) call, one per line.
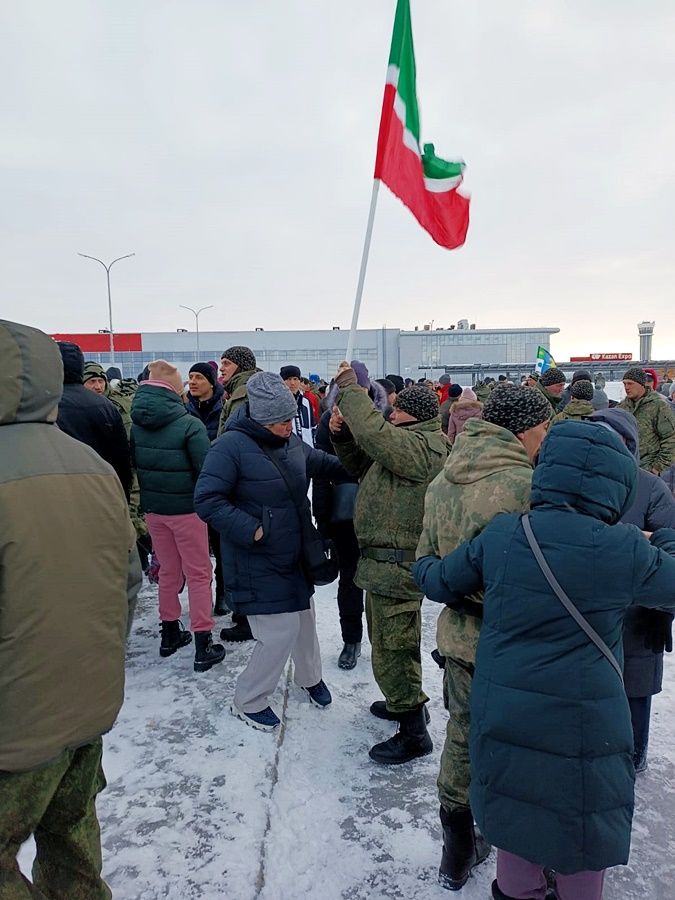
point(581, 621)
point(319, 556)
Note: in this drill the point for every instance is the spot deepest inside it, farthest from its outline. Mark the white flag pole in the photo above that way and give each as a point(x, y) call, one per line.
point(362, 272)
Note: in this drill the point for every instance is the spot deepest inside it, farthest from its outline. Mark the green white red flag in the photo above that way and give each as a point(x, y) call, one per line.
point(429, 186)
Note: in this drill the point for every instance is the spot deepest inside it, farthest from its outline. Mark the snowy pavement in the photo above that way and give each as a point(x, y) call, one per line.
point(199, 805)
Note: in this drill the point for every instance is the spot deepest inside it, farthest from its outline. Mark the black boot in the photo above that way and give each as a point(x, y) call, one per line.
point(173, 637)
point(379, 709)
point(497, 894)
point(220, 609)
point(207, 653)
point(350, 653)
point(410, 741)
point(463, 848)
point(240, 631)
point(437, 658)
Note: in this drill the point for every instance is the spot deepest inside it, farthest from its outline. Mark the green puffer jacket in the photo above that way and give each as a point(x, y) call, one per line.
point(394, 465)
point(168, 449)
point(238, 394)
point(487, 473)
point(656, 425)
point(575, 409)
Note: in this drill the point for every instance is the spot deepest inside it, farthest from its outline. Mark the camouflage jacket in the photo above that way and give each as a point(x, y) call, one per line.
point(575, 409)
point(394, 465)
point(553, 399)
point(487, 473)
point(123, 396)
point(482, 391)
point(656, 426)
point(238, 394)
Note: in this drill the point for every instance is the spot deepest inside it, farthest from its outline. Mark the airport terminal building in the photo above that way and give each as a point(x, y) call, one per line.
point(412, 354)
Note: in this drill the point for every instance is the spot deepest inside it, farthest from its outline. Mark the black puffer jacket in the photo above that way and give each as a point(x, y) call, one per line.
point(322, 488)
point(91, 418)
point(654, 508)
point(239, 490)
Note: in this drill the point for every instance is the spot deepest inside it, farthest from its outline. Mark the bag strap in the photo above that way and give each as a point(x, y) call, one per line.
point(581, 621)
point(302, 509)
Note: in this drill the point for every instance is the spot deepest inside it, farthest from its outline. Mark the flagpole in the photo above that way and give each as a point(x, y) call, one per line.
point(362, 272)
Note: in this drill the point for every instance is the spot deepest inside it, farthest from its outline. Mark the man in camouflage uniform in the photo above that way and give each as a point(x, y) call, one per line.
point(394, 461)
point(122, 397)
point(655, 421)
point(237, 366)
point(488, 472)
point(552, 385)
point(580, 405)
point(64, 620)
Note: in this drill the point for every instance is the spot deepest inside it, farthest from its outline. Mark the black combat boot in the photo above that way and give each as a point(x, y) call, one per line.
point(350, 653)
point(463, 848)
point(173, 637)
point(497, 894)
point(379, 709)
point(240, 630)
point(410, 741)
point(207, 653)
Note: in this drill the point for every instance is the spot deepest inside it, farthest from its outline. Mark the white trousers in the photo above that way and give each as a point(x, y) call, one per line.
point(277, 637)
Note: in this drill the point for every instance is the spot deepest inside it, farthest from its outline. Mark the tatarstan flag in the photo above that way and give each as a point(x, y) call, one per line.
point(426, 184)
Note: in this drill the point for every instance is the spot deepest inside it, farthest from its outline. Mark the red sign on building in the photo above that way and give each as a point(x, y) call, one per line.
point(100, 343)
point(603, 357)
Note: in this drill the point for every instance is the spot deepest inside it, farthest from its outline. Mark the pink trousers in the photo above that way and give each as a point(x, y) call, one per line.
point(524, 880)
point(182, 547)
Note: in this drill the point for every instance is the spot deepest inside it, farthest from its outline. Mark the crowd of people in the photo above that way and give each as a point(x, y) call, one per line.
point(539, 515)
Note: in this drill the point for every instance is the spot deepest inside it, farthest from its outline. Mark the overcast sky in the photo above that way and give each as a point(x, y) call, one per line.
point(230, 144)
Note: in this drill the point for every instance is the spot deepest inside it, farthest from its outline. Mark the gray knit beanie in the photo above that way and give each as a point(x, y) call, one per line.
point(242, 357)
point(552, 376)
point(418, 401)
point(516, 408)
point(635, 373)
point(582, 390)
point(269, 400)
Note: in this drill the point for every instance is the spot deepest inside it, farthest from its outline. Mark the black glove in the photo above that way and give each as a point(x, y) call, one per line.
point(657, 628)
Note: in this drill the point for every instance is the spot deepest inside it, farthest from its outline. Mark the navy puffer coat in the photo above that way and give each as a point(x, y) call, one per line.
point(239, 490)
point(551, 740)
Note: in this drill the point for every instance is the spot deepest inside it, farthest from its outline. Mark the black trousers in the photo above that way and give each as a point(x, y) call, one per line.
point(640, 711)
point(214, 542)
point(349, 597)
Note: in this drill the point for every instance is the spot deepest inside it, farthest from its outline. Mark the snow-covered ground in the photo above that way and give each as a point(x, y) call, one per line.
point(199, 805)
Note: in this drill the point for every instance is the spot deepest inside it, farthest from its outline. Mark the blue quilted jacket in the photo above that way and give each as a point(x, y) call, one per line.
point(239, 490)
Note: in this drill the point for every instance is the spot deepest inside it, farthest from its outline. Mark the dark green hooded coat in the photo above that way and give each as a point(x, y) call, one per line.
point(168, 449)
point(551, 739)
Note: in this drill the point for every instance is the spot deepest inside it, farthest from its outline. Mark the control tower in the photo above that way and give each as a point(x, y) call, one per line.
point(646, 332)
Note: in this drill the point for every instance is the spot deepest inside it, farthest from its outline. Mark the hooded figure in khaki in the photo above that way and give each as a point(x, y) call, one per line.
point(63, 622)
point(488, 472)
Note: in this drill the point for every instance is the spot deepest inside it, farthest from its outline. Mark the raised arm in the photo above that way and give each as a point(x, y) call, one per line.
point(397, 449)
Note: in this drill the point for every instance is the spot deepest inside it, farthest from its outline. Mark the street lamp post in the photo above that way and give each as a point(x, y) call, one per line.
point(196, 313)
point(107, 272)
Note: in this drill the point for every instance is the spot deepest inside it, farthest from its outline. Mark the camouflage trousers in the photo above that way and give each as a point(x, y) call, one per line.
point(455, 775)
point(56, 804)
point(395, 630)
